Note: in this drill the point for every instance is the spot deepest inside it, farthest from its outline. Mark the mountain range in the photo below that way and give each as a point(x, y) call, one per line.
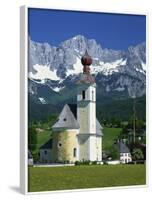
point(53, 71)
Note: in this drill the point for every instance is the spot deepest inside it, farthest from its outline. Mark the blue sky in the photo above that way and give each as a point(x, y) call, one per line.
point(115, 31)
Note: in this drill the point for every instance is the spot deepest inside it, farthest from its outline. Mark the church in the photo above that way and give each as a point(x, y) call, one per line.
point(77, 134)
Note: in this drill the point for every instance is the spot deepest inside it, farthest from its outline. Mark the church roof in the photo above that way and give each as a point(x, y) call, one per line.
point(67, 118)
point(73, 108)
point(98, 128)
point(123, 147)
point(47, 145)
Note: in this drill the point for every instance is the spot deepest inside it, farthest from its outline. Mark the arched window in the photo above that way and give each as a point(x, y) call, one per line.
point(74, 152)
point(83, 94)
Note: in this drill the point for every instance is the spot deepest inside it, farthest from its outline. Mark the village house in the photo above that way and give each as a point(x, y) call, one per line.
point(124, 152)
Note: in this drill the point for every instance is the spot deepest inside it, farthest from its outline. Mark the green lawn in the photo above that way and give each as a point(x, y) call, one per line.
point(78, 177)
point(109, 136)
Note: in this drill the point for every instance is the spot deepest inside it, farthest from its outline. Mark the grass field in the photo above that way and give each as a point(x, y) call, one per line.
point(78, 177)
point(109, 136)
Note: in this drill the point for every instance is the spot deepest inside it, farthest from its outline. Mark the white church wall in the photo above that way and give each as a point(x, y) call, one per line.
point(83, 140)
point(92, 117)
point(82, 115)
point(86, 112)
point(92, 148)
point(91, 93)
point(79, 93)
point(99, 148)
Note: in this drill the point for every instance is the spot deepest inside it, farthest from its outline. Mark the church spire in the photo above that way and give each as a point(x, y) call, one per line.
point(86, 77)
point(86, 61)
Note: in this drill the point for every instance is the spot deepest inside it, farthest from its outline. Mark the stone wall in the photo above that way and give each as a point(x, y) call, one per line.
point(65, 145)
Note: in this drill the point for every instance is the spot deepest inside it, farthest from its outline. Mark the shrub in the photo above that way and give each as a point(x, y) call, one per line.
point(66, 162)
point(94, 162)
point(77, 163)
point(86, 162)
point(83, 162)
point(137, 154)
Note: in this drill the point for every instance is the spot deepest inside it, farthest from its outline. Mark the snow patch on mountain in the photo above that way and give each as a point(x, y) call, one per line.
point(43, 72)
point(42, 100)
point(143, 66)
point(140, 70)
point(120, 89)
point(57, 89)
point(108, 68)
point(77, 68)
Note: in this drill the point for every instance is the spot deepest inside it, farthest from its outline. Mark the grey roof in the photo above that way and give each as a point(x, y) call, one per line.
point(66, 119)
point(73, 108)
point(123, 147)
point(98, 128)
point(47, 145)
point(29, 155)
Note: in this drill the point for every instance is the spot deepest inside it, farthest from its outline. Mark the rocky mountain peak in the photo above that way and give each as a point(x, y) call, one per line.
point(115, 70)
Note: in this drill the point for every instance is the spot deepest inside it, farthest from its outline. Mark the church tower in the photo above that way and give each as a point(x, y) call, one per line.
point(86, 113)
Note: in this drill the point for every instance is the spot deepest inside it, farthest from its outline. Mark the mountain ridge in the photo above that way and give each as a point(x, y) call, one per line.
point(59, 67)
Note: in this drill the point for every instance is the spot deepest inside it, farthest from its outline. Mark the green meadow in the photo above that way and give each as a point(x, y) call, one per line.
point(109, 137)
point(80, 177)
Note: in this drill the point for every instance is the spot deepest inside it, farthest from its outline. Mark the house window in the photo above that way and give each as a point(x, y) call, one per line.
point(74, 152)
point(83, 94)
point(45, 152)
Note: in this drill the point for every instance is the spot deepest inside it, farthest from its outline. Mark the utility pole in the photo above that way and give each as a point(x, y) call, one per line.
point(134, 119)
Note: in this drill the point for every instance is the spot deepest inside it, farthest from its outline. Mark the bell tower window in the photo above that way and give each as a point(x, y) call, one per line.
point(83, 94)
point(92, 95)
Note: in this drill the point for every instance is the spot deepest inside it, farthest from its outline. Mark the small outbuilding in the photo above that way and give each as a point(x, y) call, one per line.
point(125, 155)
point(45, 152)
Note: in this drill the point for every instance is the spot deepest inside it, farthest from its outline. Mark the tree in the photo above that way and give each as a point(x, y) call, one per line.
point(137, 154)
point(52, 119)
point(32, 138)
point(114, 152)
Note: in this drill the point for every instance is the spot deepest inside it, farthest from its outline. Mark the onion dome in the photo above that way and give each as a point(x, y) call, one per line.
point(86, 60)
point(86, 77)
